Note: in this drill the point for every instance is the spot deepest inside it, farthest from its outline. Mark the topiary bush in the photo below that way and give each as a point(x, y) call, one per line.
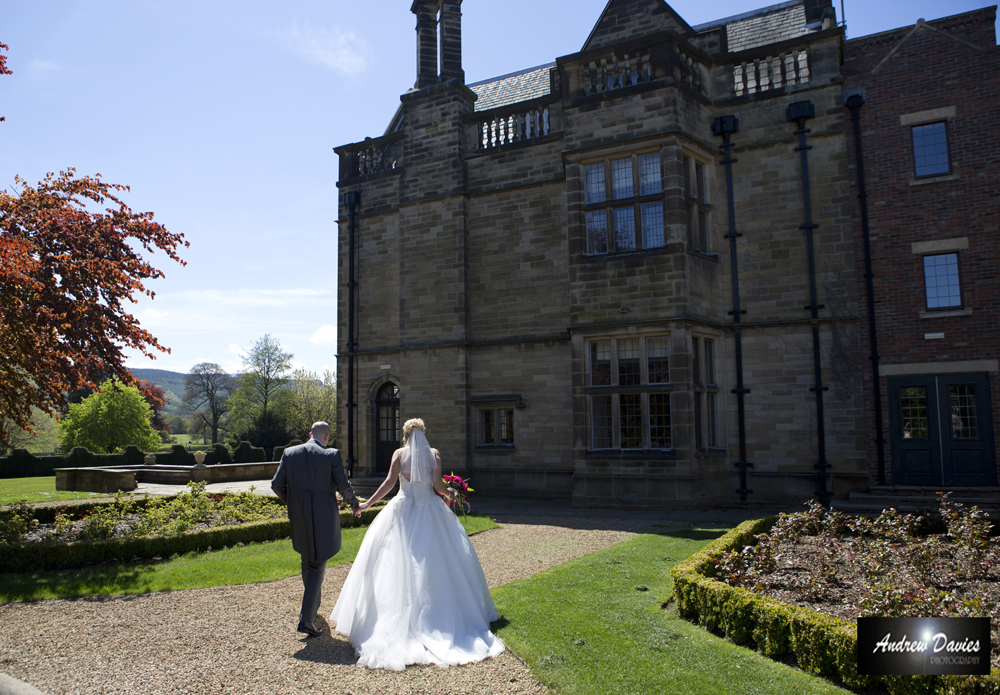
point(218, 454)
point(177, 456)
point(279, 450)
point(248, 453)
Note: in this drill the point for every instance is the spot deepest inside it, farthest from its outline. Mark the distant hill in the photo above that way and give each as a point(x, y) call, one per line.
point(172, 384)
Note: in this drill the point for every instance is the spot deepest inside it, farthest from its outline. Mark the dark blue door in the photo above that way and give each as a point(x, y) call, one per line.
point(942, 430)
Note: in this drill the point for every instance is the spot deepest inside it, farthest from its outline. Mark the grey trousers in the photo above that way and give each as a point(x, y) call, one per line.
point(312, 580)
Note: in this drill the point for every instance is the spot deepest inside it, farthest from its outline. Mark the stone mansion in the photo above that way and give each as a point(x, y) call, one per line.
point(685, 266)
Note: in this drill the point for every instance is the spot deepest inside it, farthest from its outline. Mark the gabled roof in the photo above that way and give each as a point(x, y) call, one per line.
point(622, 20)
point(512, 88)
point(786, 20)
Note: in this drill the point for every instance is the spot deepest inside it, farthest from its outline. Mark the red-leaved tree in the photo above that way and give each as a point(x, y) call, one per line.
point(3, 66)
point(66, 269)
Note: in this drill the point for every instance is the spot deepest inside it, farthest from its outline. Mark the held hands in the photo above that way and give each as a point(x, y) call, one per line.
point(358, 509)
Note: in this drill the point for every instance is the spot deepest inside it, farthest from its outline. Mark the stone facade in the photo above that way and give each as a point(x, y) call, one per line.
point(550, 282)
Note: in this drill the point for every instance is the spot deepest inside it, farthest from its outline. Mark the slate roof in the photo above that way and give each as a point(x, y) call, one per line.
point(761, 27)
point(513, 88)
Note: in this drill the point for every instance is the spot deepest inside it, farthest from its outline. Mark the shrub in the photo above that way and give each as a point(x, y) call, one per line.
point(218, 454)
point(177, 456)
point(279, 450)
point(820, 643)
point(15, 521)
point(51, 555)
point(248, 453)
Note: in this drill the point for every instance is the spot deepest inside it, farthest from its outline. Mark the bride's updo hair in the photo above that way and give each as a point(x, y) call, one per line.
point(413, 424)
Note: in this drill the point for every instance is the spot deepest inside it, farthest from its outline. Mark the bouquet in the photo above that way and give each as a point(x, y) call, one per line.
point(458, 491)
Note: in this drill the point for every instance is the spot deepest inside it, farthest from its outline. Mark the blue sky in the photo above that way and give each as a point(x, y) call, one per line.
point(222, 114)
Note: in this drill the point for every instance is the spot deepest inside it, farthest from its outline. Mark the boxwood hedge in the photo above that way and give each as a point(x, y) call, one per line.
point(27, 557)
point(820, 643)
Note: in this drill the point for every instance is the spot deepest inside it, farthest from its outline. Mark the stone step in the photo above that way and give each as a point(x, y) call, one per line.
point(875, 502)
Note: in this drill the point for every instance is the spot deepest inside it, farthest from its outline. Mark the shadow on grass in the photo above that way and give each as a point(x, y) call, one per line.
point(499, 624)
point(34, 586)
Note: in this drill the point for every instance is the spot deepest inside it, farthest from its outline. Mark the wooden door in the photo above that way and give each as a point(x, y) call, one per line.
point(386, 426)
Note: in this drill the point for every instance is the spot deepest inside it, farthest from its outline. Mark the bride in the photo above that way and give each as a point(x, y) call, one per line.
point(416, 593)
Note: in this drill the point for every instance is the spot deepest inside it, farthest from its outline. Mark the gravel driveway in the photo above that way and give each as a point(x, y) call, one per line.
point(242, 639)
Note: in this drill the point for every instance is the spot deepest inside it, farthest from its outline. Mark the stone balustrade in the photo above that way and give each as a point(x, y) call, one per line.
point(371, 157)
point(614, 72)
point(771, 72)
point(500, 128)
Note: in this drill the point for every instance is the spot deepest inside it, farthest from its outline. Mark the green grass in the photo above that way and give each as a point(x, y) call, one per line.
point(584, 628)
point(32, 490)
point(259, 562)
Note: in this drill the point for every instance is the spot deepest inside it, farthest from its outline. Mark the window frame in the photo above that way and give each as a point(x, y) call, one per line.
point(697, 204)
point(913, 149)
point(616, 397)
point(496, 411)
point(704, 378)
point(958, 274)
point(608, 205)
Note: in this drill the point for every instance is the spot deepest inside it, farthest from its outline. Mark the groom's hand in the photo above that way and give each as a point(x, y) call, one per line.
point(357, 511)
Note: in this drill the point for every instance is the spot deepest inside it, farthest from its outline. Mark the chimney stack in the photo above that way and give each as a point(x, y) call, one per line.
point(432, 14)
point(427, 59)
point(451, 41)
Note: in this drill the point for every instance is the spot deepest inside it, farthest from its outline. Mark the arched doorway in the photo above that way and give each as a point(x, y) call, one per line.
point(386, 426)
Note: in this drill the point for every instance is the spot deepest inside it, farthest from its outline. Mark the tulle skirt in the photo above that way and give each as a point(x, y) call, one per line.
point(416, 593)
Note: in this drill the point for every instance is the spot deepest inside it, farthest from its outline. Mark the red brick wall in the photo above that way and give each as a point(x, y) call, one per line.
point(931, 70)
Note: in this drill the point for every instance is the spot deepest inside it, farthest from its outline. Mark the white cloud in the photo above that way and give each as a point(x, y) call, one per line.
point(235, 349)
point(340, 51)
point(325, 335)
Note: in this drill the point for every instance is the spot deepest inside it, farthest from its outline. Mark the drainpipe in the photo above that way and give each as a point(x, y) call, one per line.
point(352, 198)
point(854, 101)
point(725, 127)
point(798, 113)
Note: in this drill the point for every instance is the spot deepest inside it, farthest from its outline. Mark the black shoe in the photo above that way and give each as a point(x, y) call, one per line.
point(309, 628)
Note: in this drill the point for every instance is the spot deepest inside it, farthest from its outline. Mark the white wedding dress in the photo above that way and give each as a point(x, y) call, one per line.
point(416, 593)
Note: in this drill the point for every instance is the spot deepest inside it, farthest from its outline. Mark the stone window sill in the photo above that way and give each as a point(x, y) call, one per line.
point(945, 314)
point(934, 179)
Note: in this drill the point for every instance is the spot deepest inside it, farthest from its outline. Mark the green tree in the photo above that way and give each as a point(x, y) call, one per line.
point(45, 438)
point(314, 400)
point(208, 389)
point(260, 409)
point(113, 417)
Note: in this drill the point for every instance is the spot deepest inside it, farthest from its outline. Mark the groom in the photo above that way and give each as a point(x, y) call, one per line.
point(308, 479)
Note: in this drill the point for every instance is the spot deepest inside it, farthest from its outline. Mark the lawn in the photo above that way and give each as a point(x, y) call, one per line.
point(257, 562)
point(596, 625)
point(41, 489)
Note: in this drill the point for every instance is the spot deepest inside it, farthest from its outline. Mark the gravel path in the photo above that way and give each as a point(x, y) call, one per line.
point(242, 639)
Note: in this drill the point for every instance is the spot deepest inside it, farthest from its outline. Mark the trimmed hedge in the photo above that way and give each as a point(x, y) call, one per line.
point(218, 454)
point(21, 464)
point(248, 453)
point(177, 456)
point(27, 557)
point(821, 644)
point(279, 450)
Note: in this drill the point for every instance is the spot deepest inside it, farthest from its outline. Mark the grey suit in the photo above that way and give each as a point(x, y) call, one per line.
point(308, 479)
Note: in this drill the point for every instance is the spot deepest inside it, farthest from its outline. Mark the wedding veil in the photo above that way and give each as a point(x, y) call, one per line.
point(421, 457)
